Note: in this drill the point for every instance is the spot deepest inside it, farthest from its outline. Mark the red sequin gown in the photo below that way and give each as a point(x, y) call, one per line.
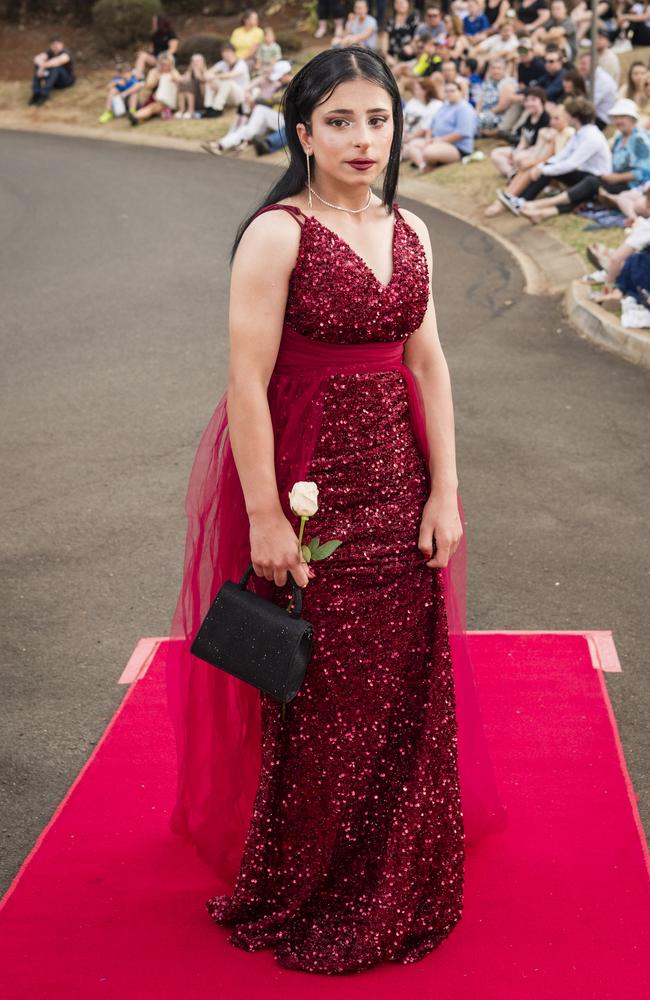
point(355, 849)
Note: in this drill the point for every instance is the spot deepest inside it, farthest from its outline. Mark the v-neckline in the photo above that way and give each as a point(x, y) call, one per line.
point(358, 256)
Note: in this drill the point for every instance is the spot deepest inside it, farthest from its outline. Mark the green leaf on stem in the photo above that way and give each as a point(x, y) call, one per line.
point(326, 549)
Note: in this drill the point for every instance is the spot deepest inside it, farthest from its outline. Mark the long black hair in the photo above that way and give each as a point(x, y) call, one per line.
point(313, 84)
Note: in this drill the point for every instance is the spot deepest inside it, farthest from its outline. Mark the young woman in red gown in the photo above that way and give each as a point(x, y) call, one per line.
point(337, 835)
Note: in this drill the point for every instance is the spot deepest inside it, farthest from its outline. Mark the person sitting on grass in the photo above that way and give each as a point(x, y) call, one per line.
point(586, 156)
point(397, 40)
point(452, 133)
point(475, 28)
point(420, 111)
point(226, 82)
point(268, 53)
point(360, 28)
point(162, 83)
point(121, 93)
point(497, 94)
point(53, 68)
point(559, 29)
point(550, 140)
point(611, 260)
point(449, 73)
point(265, 115)
point(508, 159)
point(163, 39)
point(191, 89)
point(630, 168)
point(419, 46)
point(247, 38)
point(504, 45)
point(428, 62)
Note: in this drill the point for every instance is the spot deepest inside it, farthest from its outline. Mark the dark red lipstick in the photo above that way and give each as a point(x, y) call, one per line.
point(361, 164)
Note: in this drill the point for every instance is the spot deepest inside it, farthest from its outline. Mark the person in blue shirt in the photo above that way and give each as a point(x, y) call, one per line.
point(124, 84)
point(469, 69)
point(475, 21)
point(452, 132)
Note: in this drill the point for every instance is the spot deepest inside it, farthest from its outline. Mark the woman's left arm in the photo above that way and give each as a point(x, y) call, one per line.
point(424, 356)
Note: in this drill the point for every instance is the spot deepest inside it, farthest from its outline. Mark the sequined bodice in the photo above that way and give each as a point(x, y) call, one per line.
point(334, 296)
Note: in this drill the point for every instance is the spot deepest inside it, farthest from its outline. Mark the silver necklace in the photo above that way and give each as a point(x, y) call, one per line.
point(341, 207)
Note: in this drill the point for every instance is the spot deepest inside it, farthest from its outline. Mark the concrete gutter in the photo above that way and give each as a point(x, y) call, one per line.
point(549, 266)
point(604, 328)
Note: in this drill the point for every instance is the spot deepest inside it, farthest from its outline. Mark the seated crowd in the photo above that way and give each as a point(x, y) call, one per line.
point(516, 72)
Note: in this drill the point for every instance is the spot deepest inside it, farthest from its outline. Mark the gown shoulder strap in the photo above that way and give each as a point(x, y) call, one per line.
point(397, 211)
point(292, 209)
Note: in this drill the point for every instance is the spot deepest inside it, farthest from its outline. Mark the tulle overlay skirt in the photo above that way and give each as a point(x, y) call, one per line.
point(365, 796)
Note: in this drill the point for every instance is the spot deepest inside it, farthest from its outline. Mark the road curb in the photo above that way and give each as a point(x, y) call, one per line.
point(134, 137)
point(603, 328)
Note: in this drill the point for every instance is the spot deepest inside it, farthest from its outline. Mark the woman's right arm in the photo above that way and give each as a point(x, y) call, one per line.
point(259, 284)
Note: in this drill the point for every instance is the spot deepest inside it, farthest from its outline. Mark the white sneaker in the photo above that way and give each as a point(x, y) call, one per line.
point(512, 203)
point(595, 278)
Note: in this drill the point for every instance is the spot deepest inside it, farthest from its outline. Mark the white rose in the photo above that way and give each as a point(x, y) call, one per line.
point(303, 499)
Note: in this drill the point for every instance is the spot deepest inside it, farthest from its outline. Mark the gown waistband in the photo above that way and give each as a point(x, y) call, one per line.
point(298, 354)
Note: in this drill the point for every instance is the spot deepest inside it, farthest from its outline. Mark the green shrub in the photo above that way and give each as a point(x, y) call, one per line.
point(288, 41)
point(121, 23)
point(213, 8)
point(208, 45)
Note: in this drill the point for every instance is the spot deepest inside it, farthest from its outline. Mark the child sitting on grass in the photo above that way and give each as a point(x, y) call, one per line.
point(121, 90)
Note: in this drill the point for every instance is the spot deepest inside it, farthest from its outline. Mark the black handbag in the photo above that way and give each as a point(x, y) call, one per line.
point(255, 640)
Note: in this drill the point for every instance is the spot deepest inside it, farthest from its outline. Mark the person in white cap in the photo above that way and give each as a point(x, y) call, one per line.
point(630, 167)
point(265, 115)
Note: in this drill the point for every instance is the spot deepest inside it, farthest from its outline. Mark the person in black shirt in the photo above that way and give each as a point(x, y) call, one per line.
point(532, 15)
point(52, 68)
point(529, 66)
point(397, 40)
point(552, 79)
point(508, 159)
point(163, 39)
point(529, 69)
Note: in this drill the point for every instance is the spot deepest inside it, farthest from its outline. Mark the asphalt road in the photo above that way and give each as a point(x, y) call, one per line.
point(114, 269)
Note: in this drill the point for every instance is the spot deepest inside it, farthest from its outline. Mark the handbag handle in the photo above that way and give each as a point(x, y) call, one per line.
point(296, 610)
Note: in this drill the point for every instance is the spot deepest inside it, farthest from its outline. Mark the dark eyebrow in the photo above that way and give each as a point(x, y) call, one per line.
point(349, 111)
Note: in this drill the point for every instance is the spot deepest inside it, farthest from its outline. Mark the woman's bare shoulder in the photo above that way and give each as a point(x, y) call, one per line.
point(272, 222)
point(272, 239)
point(415, 222)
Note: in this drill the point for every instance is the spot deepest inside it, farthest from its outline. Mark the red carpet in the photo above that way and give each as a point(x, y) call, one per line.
point(110, 904)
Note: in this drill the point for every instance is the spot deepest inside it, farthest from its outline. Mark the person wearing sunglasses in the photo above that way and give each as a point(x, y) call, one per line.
point(551, 80)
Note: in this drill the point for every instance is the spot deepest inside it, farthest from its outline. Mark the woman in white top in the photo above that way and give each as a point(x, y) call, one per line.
point(586, 154)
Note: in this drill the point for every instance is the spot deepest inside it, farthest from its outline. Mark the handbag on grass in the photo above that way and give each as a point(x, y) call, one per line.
point(255, 640)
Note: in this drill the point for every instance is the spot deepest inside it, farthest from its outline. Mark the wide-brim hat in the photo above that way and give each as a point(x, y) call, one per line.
point(624, 106)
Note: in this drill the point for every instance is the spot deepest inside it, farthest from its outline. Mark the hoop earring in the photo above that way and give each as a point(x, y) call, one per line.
point(308, 180)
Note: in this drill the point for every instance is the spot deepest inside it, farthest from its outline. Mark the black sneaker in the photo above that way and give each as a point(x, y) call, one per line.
point(212, 113)
point(34, 99)
point(132, 118)
point(262, 147)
